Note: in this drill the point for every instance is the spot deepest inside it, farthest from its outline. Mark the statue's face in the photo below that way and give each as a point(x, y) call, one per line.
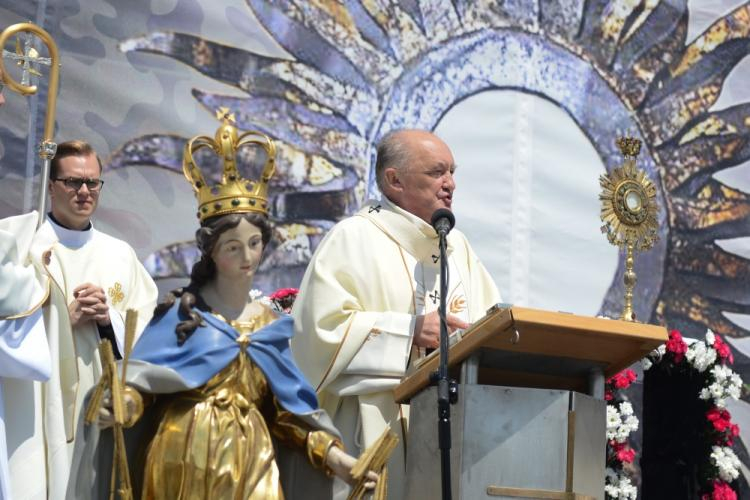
point(238, 251)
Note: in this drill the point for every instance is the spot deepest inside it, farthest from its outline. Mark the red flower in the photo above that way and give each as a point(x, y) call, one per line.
point(623, 379)
point(626, 455)
point(608, 396)
point(676, 346)
point(722, 349)
point(721, 419)
point(622, 451)
point(283, 293)
point(721, 491)
point(284, 298)
point(732, 432)
point(722, 423)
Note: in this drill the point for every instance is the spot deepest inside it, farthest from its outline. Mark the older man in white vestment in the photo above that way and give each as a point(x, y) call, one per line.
point(370, 295)
point(93, 279)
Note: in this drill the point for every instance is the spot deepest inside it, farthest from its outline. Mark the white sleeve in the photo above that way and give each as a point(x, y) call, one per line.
point(20, 290)
point(24, 351)
point(385, 352)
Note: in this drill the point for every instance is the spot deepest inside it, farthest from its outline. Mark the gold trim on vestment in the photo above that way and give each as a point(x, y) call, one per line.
point(33, 309)
point(73, 336)
point(335, 355)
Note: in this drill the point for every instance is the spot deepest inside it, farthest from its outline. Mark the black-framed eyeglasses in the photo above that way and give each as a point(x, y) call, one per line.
point(75, 183)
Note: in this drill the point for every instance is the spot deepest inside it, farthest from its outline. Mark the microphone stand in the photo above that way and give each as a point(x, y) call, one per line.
point(447, 388)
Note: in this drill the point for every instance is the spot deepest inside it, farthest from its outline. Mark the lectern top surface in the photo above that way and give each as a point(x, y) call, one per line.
point(568, 338)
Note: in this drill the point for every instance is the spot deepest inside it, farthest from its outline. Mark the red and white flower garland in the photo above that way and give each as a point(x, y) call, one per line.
point(621, 422)
point(711, 358)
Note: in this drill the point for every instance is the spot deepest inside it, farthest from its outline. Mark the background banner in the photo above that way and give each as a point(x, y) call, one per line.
point(530, 95)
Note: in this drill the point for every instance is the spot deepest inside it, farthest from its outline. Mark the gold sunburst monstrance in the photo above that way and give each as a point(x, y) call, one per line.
point(629, 213)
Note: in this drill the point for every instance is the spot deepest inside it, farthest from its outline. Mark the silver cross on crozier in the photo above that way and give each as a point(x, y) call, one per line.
point(26, 58)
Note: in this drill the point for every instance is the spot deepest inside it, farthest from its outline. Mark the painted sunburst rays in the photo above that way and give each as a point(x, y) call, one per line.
point(361, 68)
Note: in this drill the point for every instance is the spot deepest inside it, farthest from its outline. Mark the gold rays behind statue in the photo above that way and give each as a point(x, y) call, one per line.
point(629, 212)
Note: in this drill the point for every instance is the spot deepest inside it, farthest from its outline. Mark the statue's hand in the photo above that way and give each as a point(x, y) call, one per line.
point(133, 409)
point(341, 464)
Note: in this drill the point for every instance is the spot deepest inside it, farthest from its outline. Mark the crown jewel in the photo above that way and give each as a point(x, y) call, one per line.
point(234, 194)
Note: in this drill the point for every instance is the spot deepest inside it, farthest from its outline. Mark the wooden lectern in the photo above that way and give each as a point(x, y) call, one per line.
point(530, 420)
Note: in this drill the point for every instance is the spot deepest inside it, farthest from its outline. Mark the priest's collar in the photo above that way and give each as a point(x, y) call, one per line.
point(409, 231)
point(420, 224)
point(71, 238)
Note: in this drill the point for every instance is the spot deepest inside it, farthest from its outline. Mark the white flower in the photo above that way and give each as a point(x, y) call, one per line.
point(646, 363)
point(621, 423)
point(265, 301)
point(733, 392)
point(627, 490)
point(619, 487)
point(726, 384)
point(726, 461)
point(710, 337)
point(716, 390)
point(626, 408)
point(701, 356)
point(613, 421)
point(661, 350)
point(255, 293)
point(721, 372)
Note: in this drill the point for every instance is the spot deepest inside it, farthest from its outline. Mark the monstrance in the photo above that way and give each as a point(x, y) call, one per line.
point(629, 213)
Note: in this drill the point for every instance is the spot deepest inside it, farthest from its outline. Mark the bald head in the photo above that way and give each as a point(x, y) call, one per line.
point(396, 150)
point(414, 169)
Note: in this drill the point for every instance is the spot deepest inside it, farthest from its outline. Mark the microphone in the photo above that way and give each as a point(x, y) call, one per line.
point(443, 221)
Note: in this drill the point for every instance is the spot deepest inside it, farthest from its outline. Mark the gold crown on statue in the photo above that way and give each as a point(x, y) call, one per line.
point(234, 194)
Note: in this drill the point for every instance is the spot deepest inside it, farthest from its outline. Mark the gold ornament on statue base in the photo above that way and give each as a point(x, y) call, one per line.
point(629, 213)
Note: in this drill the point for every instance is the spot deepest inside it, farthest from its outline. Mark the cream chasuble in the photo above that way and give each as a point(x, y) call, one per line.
point(368, 280)
point(44, 416)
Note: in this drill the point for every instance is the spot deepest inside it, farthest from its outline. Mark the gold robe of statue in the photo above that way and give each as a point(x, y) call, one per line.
point(213, 442)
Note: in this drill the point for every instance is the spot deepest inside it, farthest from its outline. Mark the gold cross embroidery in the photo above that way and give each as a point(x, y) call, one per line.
point(115, 293)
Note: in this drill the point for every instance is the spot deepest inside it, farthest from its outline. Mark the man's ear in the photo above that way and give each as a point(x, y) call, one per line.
point(392, 179)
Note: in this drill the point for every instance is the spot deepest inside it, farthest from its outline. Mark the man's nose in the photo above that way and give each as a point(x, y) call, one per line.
point(449, 183)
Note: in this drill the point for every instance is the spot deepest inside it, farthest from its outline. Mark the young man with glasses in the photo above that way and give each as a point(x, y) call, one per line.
point(93, 278)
